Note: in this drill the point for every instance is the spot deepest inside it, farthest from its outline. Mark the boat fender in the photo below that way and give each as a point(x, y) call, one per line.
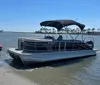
point(0, 47)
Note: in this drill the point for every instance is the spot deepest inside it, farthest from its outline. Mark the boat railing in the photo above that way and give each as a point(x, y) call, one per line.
point(55, 45)
point(82, 46)
point(62, 45)
point(20, 43)
point(37, 46)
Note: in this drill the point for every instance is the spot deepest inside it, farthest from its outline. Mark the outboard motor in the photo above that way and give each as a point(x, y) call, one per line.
point(90, 43)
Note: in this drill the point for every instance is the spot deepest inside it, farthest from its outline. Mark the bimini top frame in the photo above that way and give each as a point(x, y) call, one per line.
point(59, 24)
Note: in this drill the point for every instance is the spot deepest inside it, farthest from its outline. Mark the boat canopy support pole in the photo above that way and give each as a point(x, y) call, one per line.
point(76, 36)
point(65, 46)
point(59, 45)
point(68, 33)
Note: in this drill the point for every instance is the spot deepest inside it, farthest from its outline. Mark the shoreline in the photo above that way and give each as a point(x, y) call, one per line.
point(8, 77)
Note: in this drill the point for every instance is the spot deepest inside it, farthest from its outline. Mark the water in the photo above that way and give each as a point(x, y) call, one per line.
point(85, 71)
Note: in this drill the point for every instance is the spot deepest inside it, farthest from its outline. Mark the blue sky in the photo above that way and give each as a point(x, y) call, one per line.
point(25, 15)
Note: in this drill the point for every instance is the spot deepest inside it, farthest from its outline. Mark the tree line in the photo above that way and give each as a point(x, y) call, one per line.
point(68, 30)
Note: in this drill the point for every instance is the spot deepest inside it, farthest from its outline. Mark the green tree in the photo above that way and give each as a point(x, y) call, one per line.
point(93, 29)
point(89, 29)
point(98, 29)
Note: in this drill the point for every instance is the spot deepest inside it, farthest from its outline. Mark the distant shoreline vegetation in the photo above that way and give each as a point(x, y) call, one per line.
point(1, 30)
point(88, 31)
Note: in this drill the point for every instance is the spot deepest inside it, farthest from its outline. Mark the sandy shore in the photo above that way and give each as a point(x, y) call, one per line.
point(7, 77)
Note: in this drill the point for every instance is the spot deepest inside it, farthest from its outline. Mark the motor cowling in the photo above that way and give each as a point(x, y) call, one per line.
point(90, 43)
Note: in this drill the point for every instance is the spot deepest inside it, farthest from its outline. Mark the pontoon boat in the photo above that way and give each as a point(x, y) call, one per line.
point(32, 50)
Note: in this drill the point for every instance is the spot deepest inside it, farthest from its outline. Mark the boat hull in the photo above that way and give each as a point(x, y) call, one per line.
point(28, 58)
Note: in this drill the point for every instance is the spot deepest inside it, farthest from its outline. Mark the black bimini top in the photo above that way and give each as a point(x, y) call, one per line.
point(59, 24)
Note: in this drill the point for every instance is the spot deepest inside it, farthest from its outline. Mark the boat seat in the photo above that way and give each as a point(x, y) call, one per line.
point(49, 37)
point(60, 38)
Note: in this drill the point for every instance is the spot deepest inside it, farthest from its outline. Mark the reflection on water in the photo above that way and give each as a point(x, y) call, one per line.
point(83, 71)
